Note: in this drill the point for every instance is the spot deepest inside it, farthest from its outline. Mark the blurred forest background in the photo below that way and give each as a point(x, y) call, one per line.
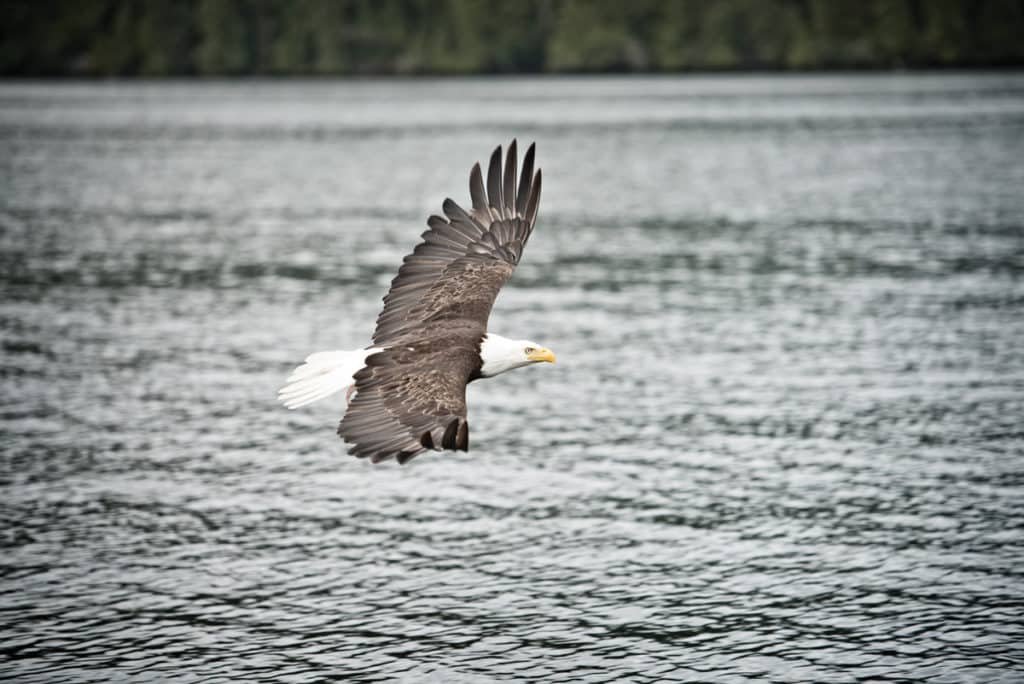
point(249, 37)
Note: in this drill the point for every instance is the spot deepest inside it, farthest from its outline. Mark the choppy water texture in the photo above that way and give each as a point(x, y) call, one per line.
point(783, 441)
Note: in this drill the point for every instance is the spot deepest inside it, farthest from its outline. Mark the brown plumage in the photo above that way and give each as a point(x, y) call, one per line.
point(412, 396)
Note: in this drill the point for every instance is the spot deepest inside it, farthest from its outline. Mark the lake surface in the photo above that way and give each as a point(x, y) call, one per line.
point(783, 440)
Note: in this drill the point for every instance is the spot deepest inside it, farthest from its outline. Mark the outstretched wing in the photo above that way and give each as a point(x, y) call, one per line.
point(412, 397)
point(465, 257)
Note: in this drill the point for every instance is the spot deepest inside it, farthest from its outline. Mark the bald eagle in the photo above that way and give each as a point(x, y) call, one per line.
point(406, 392)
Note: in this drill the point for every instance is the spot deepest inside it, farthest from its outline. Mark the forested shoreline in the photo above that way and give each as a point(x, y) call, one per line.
point(371, 37)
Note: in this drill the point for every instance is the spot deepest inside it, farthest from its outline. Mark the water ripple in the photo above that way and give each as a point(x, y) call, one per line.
point(781, 444)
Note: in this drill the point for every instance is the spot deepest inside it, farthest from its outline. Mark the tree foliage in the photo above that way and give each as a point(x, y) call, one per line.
point(240, 37)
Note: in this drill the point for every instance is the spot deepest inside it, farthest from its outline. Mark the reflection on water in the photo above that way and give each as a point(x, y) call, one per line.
point(782, 442)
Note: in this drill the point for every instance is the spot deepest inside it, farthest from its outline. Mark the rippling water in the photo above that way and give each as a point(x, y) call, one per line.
point(783, 441)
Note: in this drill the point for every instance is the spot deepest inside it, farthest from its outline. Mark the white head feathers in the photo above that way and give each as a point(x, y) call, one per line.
point(500, 354)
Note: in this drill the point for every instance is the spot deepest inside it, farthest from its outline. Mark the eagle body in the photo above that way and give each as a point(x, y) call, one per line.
point(407, 392)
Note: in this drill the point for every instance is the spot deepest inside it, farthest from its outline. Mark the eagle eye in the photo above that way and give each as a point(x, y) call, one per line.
point(528, 350)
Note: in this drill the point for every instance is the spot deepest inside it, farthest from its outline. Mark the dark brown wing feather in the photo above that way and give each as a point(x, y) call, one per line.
point(412, 396)
point(496, 229)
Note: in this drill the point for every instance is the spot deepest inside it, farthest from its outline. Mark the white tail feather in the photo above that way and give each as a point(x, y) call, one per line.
point(323, 374)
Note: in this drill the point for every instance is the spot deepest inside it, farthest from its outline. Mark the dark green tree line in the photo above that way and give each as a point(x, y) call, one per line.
point(243, 37)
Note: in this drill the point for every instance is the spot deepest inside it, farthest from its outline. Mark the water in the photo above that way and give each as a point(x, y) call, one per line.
point(783, 441)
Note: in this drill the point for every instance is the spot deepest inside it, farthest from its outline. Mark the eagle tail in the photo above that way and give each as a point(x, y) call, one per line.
point(323, 374)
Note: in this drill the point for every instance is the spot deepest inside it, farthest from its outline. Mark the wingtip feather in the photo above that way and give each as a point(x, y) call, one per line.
point(494, 182)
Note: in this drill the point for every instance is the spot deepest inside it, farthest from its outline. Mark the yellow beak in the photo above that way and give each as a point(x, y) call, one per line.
point(542, 354)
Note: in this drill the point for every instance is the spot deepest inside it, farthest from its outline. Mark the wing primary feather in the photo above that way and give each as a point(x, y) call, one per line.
point(477, 192)
point(454, 212)
point(448, 440)
point(509, 191)
point(494, 183)
point(531, 206)
point(462, 438)
point(525, 179)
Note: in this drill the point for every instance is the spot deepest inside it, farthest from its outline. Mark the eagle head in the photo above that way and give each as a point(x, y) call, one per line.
point(499, 354)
